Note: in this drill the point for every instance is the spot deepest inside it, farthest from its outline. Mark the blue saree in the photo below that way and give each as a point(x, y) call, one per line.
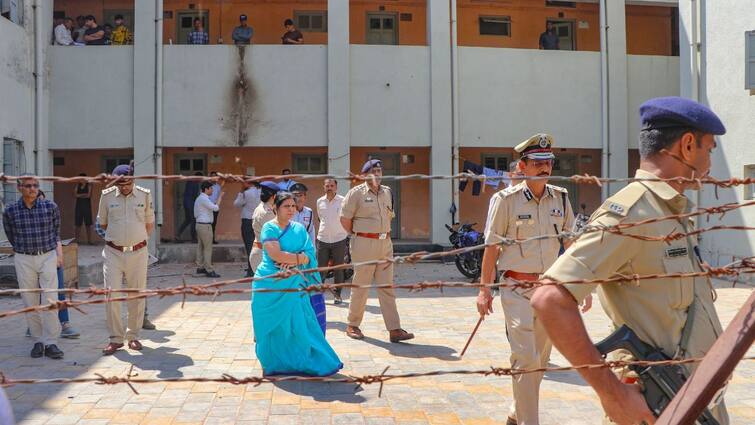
point(290, 326)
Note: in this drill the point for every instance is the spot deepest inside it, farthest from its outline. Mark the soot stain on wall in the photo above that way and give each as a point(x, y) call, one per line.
point(242, 98)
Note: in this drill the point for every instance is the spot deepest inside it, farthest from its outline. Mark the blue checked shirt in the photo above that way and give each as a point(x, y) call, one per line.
point(32, 230)
point(198, 37)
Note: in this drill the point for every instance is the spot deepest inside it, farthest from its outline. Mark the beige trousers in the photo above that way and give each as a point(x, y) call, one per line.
point(255, 258)
point(530, 348)
point(34, 272)
point(204, 247)
point(131, 266)
point(365, 249)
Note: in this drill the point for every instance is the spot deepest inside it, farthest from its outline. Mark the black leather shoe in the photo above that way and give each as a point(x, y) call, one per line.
point(52, 351)
point(212, 274)
point(201, 271)
point(38, 350)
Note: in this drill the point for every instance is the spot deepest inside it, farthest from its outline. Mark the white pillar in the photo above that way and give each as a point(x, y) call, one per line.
point(441, 117)
point(618, 115)
point(41, 16)
point(339, 91)
point(688, 55)
point(144, 96)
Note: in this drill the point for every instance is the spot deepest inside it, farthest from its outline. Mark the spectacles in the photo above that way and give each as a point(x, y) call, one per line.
point(30, 186)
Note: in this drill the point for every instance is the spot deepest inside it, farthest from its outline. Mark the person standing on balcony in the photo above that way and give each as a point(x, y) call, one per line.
point(199, 35)
point(242, 34)
point(549, 39)
point(94, 35)
point(81, 28)
point(63, 33)
point(121, 35)
point(292, 34)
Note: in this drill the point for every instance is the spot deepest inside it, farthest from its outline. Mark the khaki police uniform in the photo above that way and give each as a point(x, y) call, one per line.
point(262, 214)
point(656, 309)
point(517, 214)
point(371, 213)
point(126, 218)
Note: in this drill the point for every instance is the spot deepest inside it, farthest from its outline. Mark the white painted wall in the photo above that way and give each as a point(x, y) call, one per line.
point(390, 95)
point(288, 95)
point(17, 86)
point(723, 90)
point(506, 95)
point(648, 77)
point(91, 97)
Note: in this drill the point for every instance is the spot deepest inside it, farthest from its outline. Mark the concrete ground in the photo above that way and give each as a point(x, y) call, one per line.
point(208, 338)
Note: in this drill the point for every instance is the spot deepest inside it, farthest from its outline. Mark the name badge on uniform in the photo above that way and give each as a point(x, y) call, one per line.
point(556, 212)
point(366, 200)
point(524, 217)
point(675, 252)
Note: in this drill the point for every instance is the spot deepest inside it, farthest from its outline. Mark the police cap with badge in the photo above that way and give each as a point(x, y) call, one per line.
point(369, 165)
point(538, 147)
point(677, 112)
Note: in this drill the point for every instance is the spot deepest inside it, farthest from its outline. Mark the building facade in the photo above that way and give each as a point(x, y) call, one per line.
point(423, 85)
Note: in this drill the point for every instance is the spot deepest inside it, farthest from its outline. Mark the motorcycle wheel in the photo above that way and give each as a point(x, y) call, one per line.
point(469, 267)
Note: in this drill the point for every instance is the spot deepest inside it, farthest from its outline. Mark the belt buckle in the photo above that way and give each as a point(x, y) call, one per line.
point(128, 248)
point(382, 236)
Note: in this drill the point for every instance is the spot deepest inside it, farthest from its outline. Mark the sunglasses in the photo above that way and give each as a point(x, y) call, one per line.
point(30, 186)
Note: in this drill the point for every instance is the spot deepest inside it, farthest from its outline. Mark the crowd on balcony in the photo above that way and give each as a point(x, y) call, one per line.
point(88, 32)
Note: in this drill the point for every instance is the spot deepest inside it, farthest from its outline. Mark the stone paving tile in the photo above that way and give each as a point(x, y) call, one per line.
point(206, 339)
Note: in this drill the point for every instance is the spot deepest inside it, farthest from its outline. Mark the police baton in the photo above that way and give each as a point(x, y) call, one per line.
point(474, 331)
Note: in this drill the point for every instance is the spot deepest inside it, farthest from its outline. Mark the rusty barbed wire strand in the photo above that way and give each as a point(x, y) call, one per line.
point(742, 267)
point(238, 178)
point(423, 256)
point(130, 378)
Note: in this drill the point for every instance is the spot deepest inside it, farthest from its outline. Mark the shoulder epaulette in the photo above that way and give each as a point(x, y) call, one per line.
point(557, 188)
point(143, 189)
point(623, 200)
point(110, 189)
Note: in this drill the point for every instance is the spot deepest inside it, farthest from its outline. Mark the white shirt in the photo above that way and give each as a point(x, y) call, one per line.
point(247, 201)
point(63, 36)
point(329, 213)
point(307, 219)
point(203, 209)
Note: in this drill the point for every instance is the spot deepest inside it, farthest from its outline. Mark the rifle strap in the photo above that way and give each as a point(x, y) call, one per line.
point(681, 349)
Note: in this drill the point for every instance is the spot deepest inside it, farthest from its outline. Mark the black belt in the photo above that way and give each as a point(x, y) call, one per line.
point(203, 223)
point(34, 252)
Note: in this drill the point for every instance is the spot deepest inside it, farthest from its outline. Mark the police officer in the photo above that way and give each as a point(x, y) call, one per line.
point(126, 215)
point(262, 214)
point(366, 213)
point(530, 208)
point(675, 315)
point(304, 214)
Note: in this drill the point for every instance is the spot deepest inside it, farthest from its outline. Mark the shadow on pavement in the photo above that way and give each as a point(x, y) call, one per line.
point(325, 391)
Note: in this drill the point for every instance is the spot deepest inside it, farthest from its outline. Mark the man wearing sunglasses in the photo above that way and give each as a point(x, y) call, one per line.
point(127, 216)
point(530, 208)
point(32, 227)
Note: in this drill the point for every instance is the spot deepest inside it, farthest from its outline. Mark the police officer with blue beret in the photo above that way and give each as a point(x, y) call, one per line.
point(674, 315)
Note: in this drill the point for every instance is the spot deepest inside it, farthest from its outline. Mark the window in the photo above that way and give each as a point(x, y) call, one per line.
point(312, 21)
point(14, 164)
point(13, 10)
point(495, 161)
point(495, 25)
point(749, 189)
point(310, 163)
point(570, 4)
point(110, 162)
point(750, 58)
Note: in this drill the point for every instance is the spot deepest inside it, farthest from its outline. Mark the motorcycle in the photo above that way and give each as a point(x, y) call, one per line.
point(462, 236)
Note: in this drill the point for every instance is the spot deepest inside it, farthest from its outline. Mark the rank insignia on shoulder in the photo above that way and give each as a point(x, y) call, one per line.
point(556, 212)
point(524, 217)
point(675, 252)
point(616, 208)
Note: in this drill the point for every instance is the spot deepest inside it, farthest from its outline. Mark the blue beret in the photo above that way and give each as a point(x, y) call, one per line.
point(371, 164)
point(122, 170)
point(270, 185)
point(298, 187)
point(668, 112)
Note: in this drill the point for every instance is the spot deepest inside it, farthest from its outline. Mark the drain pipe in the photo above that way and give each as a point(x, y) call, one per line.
point(158, 155)
point(604, 99)
point(38, 72)
point(454, 104)
point(695, 80)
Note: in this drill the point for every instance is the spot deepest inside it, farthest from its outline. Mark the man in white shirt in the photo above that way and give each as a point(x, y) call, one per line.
point(332, 239)
point(203, 209)
point(304, 214)
point(215, 198)
point(63, 33)
point(247, 200)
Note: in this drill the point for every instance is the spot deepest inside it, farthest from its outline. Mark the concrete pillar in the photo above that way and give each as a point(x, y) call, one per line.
point(41, 16)
point(688, 55)
point(618, 114)
point(339, 91)
point(144, 96)
point(441, 117)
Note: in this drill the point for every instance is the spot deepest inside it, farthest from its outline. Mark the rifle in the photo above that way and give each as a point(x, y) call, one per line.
point(659, 383)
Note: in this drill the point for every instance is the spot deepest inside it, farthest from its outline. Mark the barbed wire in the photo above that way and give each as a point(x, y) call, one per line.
point(106, 179)
point(742, 267)
point(130, 378)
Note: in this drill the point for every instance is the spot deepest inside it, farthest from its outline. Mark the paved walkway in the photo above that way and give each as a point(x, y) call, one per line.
point(209, 339)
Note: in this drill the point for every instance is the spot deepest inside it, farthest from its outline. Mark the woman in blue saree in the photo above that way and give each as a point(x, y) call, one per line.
point(290, 335)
